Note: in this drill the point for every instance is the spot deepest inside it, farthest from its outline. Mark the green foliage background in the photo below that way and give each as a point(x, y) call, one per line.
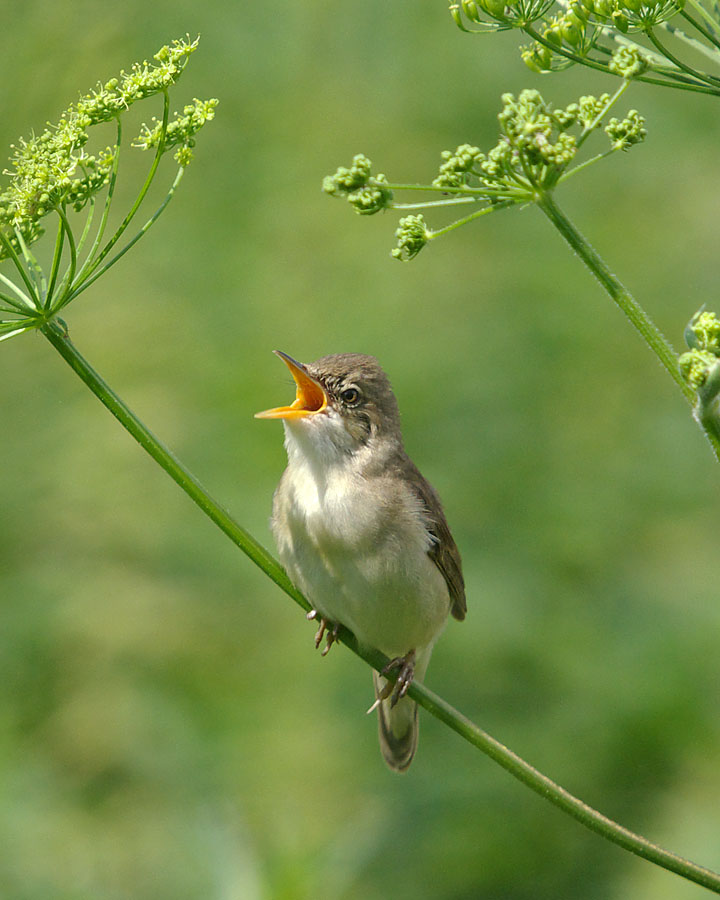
point(166, 730)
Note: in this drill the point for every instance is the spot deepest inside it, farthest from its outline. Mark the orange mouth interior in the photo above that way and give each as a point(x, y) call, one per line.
point(310, 398)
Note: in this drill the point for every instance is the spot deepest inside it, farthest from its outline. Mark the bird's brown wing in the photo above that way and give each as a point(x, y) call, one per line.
point(443, 552)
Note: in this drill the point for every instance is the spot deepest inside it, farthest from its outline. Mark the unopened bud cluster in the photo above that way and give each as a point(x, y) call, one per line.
point(180, 131)
point(365, 192)
point(412, 235)
point(535, 145)
point(700, 366)
point(569, 29)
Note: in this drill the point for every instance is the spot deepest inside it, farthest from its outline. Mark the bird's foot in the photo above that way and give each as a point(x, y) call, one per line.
point(406, 666)
point(328, 630)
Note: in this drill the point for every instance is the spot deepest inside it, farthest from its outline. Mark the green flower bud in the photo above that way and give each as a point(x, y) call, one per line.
point(572, 29)
point(494, 8)
point(696, 365)
point(577, 9)
point(703, 332)
point(553, 37)
point(536, 58)
point(412, 236)
point(629, 131)
point(184, 155)
point(620, 21)
point(469, 7)
point(346, 180)
point(590, 108)
point(454, 171)
point(565, 118)
point(371, 197)
point(604, 8)
point(628, 62)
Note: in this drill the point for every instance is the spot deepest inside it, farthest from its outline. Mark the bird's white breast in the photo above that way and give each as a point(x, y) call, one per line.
point(357, 545)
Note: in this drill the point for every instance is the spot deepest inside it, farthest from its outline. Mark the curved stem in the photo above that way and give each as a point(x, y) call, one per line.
point(671, 79)
point(711, 23)
point(709, 35)
point(712, 53)
point(619, 293)
point(435, 705)
point(111, 262)
point(72, 265)
point(5, 334)
point(584, 165)
point(60, 339)
point(591, 126)
point(57, 256)
point(452, 201)
point(476, 215)
point(708, 79)
point(479, 193)
point(93, 263)
point(31, 289)
point(90, 258)
point(16, 305)
point(32, 266)
point(645, 326)
point(25, 300)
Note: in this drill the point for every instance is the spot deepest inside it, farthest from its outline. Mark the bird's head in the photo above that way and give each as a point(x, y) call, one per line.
point(345, 398)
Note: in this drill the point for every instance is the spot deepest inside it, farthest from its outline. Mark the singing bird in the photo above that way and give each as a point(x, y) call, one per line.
point(361, 533)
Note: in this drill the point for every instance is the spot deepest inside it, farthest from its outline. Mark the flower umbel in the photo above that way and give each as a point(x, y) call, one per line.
point(537, 149)
point(564, 33)
point(412, 236)
point(180, 130)
point(56, 172)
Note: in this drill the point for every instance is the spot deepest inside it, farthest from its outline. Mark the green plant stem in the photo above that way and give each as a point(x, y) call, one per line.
point(435, 705)
point(682, 66)
point(97, 273)
point(619, 293)
point(57, 256)
point(94, 262)
point(645, 326)
point(711, 23)
point(591, 126)
point(707, 418)
point(673, 80)
point(59, 338)
point(31, 291)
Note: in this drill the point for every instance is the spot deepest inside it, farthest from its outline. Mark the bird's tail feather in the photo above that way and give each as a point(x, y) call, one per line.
point(397, 728)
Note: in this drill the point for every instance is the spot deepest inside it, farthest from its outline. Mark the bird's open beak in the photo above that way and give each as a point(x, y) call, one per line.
point(310, 397)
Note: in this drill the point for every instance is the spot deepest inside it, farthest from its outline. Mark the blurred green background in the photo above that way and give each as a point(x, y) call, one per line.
point(166, 730)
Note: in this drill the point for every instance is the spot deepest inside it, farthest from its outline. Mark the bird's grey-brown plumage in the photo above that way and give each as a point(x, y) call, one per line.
point(361, 532)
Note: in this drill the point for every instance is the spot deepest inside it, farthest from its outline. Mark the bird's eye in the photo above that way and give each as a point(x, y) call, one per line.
point(350, 396)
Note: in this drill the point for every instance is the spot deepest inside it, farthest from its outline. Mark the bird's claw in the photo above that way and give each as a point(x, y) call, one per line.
point(327, 630)
point(406, 666)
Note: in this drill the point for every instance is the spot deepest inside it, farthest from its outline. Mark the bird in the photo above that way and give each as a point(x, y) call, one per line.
point(362, 534)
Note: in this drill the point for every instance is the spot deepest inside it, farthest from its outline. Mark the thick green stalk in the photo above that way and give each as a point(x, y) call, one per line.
point(435, 705)
point(645, 326)
point(59, 338)
point(619, 293)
